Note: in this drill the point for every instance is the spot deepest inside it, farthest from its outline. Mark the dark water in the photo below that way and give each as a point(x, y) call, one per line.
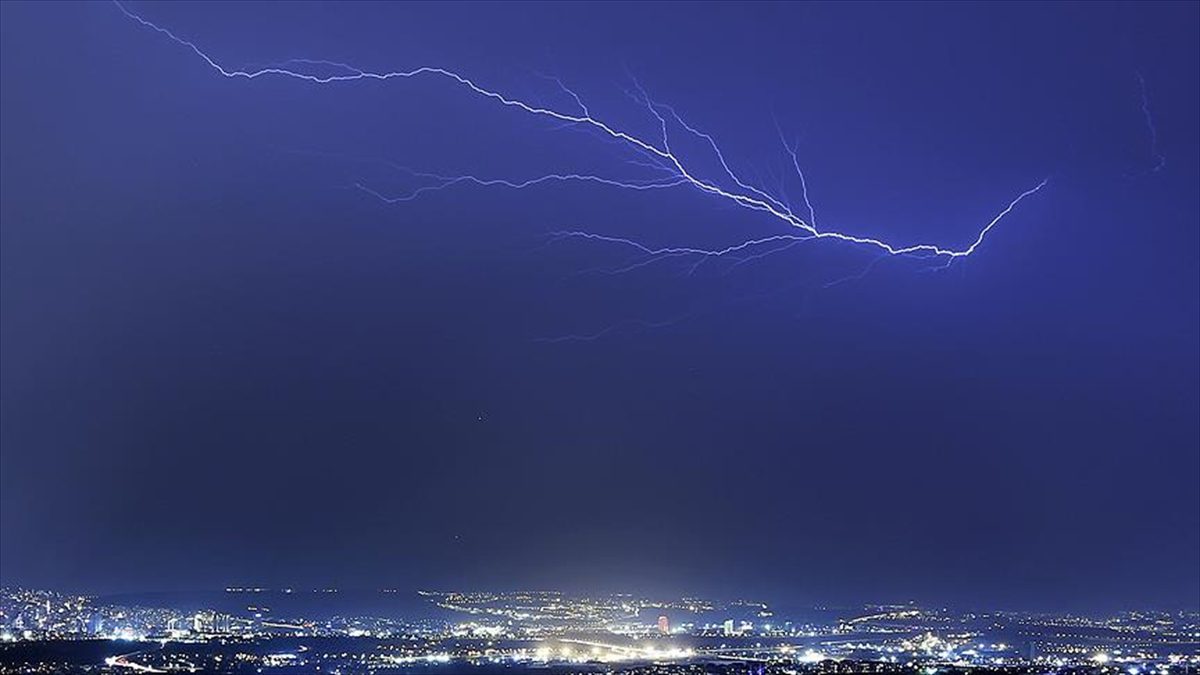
point(407, 605)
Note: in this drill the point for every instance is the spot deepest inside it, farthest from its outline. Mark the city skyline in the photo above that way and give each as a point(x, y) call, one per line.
point(255, 629)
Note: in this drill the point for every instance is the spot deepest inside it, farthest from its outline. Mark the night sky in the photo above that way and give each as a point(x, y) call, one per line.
point(225, 364)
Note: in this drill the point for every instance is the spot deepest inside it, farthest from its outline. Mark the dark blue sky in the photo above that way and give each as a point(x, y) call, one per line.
point(224, 364)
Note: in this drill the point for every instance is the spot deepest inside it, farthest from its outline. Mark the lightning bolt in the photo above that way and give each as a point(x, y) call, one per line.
point(443, 182)
point(673, 169)
point(1159, 160)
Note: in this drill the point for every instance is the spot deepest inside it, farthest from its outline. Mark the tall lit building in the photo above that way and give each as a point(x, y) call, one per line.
point(729, 627)
point(664, 624)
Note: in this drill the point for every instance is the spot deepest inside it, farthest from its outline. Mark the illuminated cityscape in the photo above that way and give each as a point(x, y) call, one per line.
point(44, 631)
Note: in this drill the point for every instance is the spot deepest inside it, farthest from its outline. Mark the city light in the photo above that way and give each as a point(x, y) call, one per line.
point(626, 630)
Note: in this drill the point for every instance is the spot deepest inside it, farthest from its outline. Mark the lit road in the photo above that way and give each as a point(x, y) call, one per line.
point(123, 661)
